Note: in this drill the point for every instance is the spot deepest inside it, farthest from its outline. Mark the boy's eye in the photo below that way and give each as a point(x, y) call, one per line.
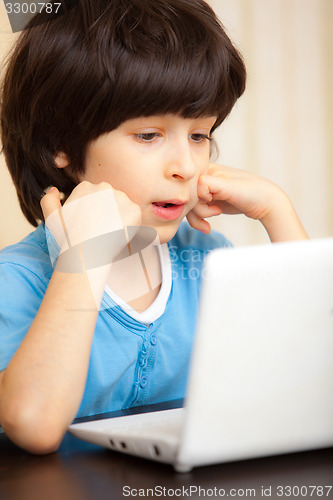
point(200, 137)
point(147, 137)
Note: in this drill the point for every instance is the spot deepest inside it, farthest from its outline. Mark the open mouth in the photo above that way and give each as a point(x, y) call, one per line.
point(164, 205)
point(169, 210)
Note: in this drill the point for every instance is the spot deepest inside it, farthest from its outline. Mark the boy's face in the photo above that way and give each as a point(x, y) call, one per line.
point(156, 161)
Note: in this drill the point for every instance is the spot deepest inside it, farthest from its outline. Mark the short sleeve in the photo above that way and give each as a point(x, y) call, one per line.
point(21, 292)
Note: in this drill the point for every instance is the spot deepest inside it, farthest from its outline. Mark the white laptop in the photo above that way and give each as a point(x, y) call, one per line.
point(261, 377)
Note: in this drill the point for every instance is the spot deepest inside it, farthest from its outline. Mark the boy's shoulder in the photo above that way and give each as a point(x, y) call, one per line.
point(31, 254)
point(187, 237)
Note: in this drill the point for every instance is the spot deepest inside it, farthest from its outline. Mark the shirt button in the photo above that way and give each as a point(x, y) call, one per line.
point(143, 381)
point(153, 339)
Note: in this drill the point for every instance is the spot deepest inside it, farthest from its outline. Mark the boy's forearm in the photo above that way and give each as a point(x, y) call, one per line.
point(283, 223)
point(42, 387)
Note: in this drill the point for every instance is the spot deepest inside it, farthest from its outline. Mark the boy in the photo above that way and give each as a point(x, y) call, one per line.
point(113, 104)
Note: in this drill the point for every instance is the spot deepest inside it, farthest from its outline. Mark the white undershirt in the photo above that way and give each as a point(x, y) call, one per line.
point(156, 309)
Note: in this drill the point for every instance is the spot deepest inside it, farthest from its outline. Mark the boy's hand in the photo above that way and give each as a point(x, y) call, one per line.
point(90, 211)
point(232, 191)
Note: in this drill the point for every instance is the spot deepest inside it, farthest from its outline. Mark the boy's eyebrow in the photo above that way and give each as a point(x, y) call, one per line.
point(145, 119)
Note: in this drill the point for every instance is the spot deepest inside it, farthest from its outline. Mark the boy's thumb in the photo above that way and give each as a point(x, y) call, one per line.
point(50, 202)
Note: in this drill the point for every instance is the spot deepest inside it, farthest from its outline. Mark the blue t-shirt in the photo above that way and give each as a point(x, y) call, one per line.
point(131, 363)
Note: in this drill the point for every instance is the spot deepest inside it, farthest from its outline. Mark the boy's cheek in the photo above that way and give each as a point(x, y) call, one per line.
point(192, 205)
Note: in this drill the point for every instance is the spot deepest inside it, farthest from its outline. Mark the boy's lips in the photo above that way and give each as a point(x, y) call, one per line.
point(168, 209)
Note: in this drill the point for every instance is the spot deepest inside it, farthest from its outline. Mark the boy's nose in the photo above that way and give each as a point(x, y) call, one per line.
point(180, 163)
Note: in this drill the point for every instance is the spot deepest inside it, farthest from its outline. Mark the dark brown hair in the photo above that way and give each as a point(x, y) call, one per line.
point(102, 62)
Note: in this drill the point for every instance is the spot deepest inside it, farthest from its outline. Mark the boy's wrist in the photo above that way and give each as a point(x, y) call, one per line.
point(281, 221)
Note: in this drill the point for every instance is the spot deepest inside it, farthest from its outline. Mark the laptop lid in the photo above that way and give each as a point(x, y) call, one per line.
point(261, 379)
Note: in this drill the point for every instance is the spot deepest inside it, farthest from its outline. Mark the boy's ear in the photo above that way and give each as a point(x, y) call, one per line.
point(61, 160)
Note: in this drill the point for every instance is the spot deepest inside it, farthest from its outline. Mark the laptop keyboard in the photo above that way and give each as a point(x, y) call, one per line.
point(159, 428)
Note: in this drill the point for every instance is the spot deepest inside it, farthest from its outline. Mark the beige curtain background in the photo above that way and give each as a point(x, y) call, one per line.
point(12, 223)
point(282, 128)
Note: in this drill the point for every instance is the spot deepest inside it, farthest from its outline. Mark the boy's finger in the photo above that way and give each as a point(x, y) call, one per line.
point(198, 223)
point(214, 186)
point(50, 202)
point(203, 189)
point(207, 210)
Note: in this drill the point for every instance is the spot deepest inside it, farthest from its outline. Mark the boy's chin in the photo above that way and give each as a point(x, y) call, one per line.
point(167, 232)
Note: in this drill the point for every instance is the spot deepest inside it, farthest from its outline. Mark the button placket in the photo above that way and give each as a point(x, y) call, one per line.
point(142, 378)
point(148, 345)
point(144, 364)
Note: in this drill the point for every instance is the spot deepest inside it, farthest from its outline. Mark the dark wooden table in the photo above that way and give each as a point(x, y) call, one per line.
point(82, 471)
